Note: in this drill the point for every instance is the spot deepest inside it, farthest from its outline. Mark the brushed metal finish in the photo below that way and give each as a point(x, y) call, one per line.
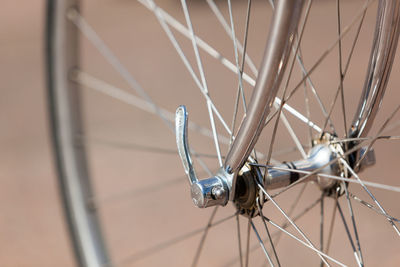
point(65, 117)
point(276, 54)
point(318, 157)
point(380, 64)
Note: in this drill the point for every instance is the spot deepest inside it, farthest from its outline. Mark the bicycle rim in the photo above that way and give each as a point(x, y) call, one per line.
point(66, 81)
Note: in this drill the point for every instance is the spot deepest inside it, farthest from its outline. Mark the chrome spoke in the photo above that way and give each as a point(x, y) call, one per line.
point(291, 210)
point(355, 148)
point(372, 207)
point(166, 244)
point(348, 234)
point(261, 244)
point(160, 17)
point(101, 86)
point(308, 112)
point(308, 174)
point(293, 135)
point(326, 53)
point(332, 224)
point(140, 147)
point(228, 30)
point(303, 243)
point(358, 139)
point(168, 19)
point(98, 43)
point(240, 91)
point(341, 76)
point(277, 234)
point(346, 67)
point(248, 243)
point(370, 194)
point(379, 133)
point(268, 234)
point(291, 222)
point(203, 79)
point(321, 224)
point(271, 145)
point(137, 192)
point(353, 220)
point(235, 48)
point(239, 241)
point(203, 237)
point(304, 72)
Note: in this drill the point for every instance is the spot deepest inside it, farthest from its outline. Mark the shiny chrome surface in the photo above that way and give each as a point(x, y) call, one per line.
point(380, 64)
point(207, 192)
point(318, 157)
point(276, 54)
point(181, 134)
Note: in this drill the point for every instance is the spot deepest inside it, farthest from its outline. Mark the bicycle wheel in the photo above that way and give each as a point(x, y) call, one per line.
point(118, 166)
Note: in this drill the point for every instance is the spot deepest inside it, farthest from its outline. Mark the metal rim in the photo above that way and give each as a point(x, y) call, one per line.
point(64, 109)
point(65, 119)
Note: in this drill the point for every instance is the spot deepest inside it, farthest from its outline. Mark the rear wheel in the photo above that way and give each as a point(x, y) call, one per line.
point(117, 165)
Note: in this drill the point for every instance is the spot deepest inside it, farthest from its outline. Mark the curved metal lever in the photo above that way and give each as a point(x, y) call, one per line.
point(207, 192)
point(181, 124)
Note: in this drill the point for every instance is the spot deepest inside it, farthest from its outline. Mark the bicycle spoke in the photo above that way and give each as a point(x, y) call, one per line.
point(101, 86)
point(279, 233)
point(140, 147)
point(268, 234)
point(293, 135)
point(341, 76)
point(228, 30)
point(93, 37)
point(291, 210)
point(370, 194)
point(239, 241)
point(304, 243)
point(166, 244)
point(308, 174)
point(308, 78)
point(348, 234)
point(291, 221)
point(321, 229)
point(379, 133)
point(137, 192)
point(235, 48)
point(308, 112)
point(287, 83)
point(203, 79)
point(358, 139)
point(166, 18)
point(247, 243)
point(353, 220)
point(325, 53)
point(368, 205)
point(261, 243)
point(332, 224)
point(347, 66)
point(203, 238)
point(160, 16)
point(240, 91)
point(355, 148)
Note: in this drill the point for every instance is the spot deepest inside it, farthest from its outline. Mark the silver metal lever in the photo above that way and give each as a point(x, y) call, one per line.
point(181, 125)
point(205, 193)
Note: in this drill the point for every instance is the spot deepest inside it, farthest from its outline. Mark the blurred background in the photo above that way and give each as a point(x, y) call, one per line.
point(32, 229)
point(31, 226)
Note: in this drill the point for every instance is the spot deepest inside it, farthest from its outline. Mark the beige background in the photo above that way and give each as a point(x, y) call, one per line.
point(32, 232)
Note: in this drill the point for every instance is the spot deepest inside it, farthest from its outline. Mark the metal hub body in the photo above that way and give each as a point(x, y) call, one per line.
point(242, 187)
